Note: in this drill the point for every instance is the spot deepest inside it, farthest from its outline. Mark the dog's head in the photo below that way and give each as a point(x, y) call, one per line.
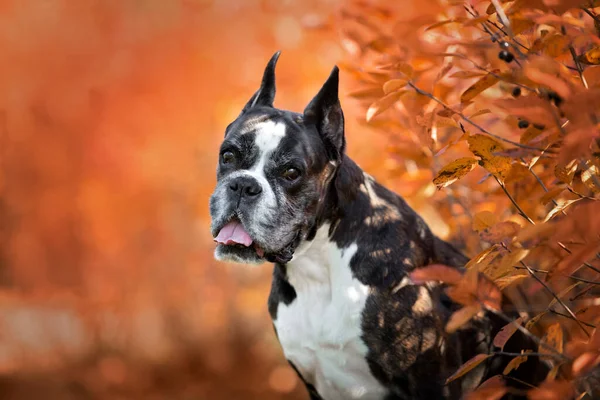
point(273, 173)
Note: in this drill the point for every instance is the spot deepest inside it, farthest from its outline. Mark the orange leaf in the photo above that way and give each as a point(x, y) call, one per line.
point(393, 85)
point(492, 389)
point(383, 104)
point(543, 70)
point(552, 338)
point(442, 23)
point(483, 220)
point(585, 362)
point(468, 366)
point(467, 74)
point(484, 83)
point(461, 317)
point(367, 93)
point(454, 171)
point(506, 332)
point(590, 57)
point(552, 390)
point(503, 231)
point(436, 272)
point(505, 281)
point(515, 362)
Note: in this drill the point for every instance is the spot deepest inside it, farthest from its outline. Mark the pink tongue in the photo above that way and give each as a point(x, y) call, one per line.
point(234, 233)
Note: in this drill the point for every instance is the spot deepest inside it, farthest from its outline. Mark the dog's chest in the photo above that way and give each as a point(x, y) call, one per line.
point(320, 331)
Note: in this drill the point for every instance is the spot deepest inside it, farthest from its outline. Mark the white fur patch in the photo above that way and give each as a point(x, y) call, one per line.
point(320, 330)
point(268, 137)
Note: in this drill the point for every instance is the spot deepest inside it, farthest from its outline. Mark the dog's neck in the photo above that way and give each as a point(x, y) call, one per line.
point(314, 254)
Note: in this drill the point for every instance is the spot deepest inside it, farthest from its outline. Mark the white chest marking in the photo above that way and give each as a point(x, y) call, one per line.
point(320, 330)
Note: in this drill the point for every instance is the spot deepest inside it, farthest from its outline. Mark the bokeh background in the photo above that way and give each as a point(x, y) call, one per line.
point(111, 114)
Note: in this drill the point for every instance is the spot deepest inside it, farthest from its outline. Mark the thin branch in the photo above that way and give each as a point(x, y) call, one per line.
point(506, 353)
point(525, 331)
point(519, 209)
point(575, 278)
point(469, 121)
point(568, 316)
point(590, 266)
point(558, 299)
point(594, 16)
point(575, 60)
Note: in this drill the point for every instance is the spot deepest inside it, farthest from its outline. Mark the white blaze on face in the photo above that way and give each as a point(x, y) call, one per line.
point(268, 136)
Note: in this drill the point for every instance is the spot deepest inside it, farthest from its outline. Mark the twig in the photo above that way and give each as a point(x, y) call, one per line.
point(558, 299)
point(525, 331)
point(590, 266)
point(574, 56)
point(519, 209)
point(575, 278)
point(568, 316)
point(506, 353)
point(469, 121)
point(588, 12)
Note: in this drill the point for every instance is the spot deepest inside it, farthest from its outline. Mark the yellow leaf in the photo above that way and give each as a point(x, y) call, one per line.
point(553, 338)
point(468, 366)
point(483, 219)
point(515, 362)
point(393, 85)
point(590, 177)
point(484, 147)
point(454, 171)
point(461, 317)
point(505, 281)
point(484, 83)
point(512, 259)
point(481, 257)
point(591, 57)
point(562, 205)
point(383, 104)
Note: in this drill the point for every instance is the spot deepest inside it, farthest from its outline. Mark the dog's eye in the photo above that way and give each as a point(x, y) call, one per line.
point(291, 174)
point(227, 157)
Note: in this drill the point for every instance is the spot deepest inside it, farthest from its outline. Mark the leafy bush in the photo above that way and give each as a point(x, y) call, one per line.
point(497, 106)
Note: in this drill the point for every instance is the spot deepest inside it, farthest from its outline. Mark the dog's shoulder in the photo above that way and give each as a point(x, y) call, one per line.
point(392, 238)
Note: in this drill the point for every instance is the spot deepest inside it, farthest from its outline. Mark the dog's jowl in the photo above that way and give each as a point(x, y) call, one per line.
point(347, 316)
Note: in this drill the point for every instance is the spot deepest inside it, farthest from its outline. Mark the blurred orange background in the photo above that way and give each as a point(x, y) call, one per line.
point(111, 114)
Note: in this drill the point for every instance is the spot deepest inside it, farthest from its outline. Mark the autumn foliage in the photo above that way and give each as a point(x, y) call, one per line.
point(492, 114)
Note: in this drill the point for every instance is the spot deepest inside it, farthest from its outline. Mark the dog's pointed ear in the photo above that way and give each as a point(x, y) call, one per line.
point(325, 112)
point(266, 93)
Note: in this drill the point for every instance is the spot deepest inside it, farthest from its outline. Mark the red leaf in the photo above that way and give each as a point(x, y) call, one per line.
point(506, 332)
point(468, 366)
point(436, 272)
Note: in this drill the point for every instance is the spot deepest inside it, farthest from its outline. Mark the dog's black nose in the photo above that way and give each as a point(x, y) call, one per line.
point(246, 186)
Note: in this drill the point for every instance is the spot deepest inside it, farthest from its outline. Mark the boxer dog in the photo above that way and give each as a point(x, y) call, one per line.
point(349, 319)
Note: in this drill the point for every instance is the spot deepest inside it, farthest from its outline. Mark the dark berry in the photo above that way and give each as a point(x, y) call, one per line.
point(506, 55)
point(553, 96)
point(523, 123)
point(504, 44)
point(539, 126)
point(516, 92)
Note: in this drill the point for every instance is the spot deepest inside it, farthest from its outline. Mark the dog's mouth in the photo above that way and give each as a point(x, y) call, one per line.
point(235, 243)
point(234, 235)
